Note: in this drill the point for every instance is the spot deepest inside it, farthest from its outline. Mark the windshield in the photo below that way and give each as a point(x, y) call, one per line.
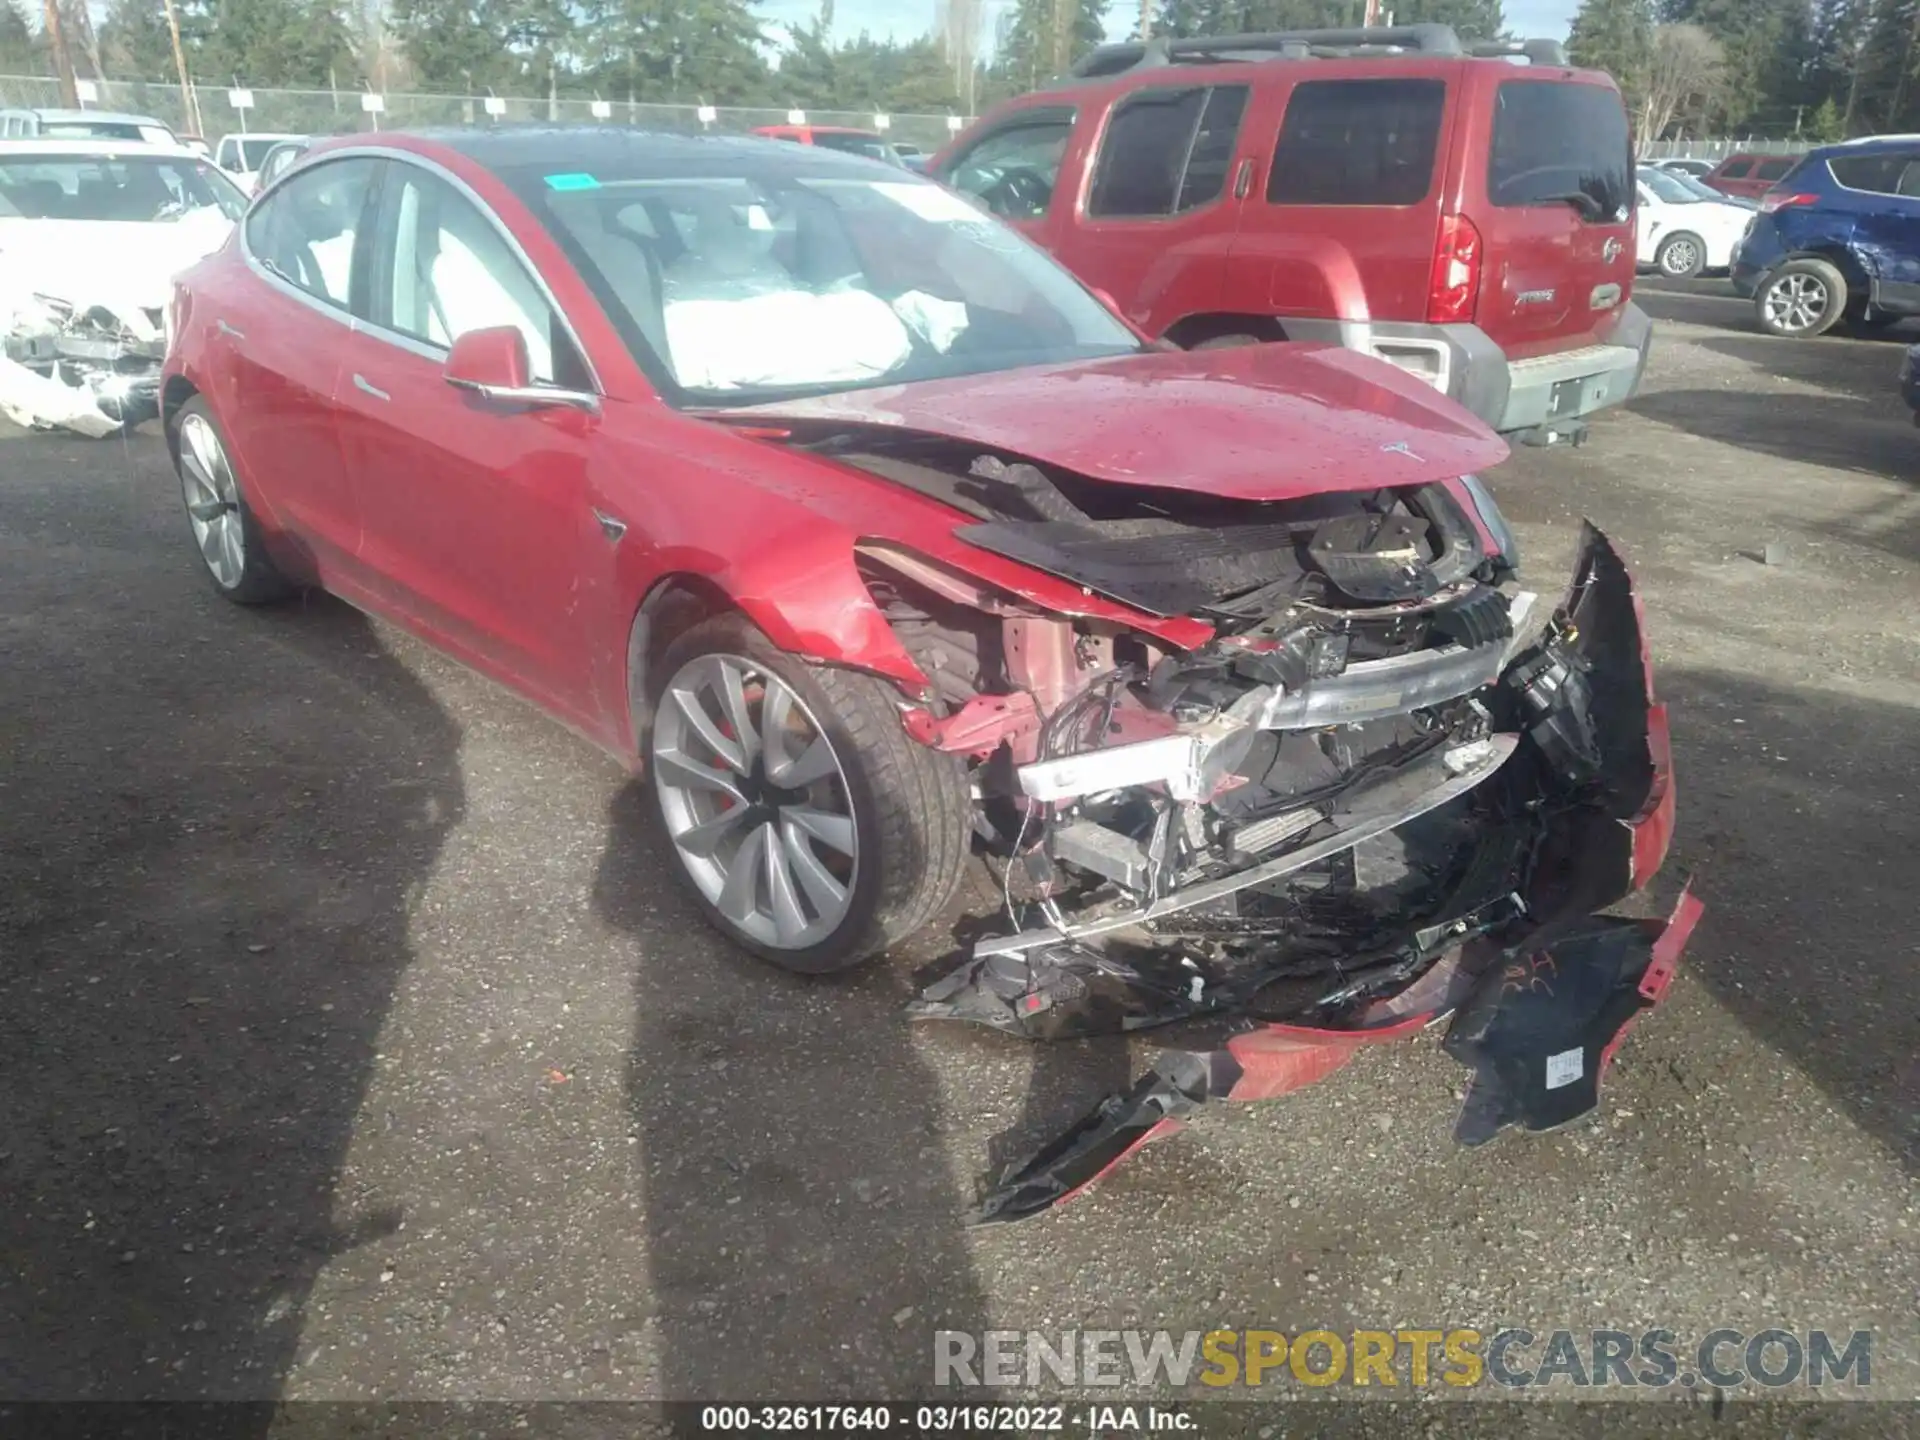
point(141, 189)
point(748, 289)
point(871, 146)
point(1698, 188)
point(1669, 187)
point(253, 151)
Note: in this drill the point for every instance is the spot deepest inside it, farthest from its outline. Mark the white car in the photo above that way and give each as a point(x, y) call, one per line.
point(1681, 233)
point(240, 156)
point(92, 233)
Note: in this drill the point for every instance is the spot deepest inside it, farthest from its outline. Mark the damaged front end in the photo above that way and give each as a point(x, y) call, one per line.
point(1389, 788)
point(92, 369)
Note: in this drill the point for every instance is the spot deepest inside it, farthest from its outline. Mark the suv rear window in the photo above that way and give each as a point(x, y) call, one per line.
point(1734, 169)
point(1772, 169)
point(1357, 142)
point(1555, 141)
point(1166, 151)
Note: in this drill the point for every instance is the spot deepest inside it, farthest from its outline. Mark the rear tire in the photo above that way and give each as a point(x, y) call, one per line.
point(836, 852)
point(1681, 256)
point(225, 532)
point(1801, 299)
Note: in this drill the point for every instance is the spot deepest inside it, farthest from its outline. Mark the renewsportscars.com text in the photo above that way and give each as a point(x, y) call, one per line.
point(1513, 1357)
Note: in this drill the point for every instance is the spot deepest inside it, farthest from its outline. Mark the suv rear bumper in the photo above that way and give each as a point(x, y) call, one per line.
point(1510, 395)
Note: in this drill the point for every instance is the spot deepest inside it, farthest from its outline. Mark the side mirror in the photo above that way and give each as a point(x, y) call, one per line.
point(493, 363)
point(1113, 309)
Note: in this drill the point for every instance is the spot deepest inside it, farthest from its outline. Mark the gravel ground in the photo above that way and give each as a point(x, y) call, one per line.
point(356, 1047)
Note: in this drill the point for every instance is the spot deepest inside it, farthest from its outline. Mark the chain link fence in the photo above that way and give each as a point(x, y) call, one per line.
point(331, 112)
point(1720, 149)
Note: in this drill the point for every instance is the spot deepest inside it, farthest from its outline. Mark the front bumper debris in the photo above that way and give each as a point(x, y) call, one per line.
point(1565, 806)
point(94, 369)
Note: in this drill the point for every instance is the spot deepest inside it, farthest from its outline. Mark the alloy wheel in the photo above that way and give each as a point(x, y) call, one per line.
point(1680, 257)
point(755, 800)
point(1797, 302)
point(213, 501)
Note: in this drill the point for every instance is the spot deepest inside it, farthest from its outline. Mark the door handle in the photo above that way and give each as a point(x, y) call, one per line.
point(1243, 179)
point(227, 330)
point(366, 386)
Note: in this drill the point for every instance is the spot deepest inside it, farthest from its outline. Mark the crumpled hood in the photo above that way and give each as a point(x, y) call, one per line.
point(117, 264)
point(1258, 422)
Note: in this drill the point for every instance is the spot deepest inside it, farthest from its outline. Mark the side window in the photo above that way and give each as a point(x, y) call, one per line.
point(1211, 155)
point(1357, 142)
point(1736, 169)
point(1143, 152)
point(1888, 173)
point(1012, 171)
point(443, 269)
point(304, 232)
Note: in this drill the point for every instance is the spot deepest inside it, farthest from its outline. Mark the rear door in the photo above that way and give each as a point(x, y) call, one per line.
point(1553, 202)
point(1162, 203)
point(1882, 192)
point(1343, 223)
point(1767, 173)
point(282, 335)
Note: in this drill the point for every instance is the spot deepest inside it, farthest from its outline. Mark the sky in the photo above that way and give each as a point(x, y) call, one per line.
point(906, 19)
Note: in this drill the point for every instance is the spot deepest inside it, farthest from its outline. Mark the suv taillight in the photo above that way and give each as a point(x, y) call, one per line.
point(1455, 284)
point(1779, 199)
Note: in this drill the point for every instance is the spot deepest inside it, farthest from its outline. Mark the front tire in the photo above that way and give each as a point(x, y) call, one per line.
point(1801, 299)
point(1681, 256)
point(808, 826)
point(225, 531)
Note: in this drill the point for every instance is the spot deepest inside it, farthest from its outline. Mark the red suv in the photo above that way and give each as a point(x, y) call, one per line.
point(1749, 175)
point(1389, 189)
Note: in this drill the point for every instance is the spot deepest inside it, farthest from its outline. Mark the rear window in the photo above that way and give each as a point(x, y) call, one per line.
point(1772, 169)
point(1166, 151)
point(1357, 142)
point(1561, 143)
point(1735, 169)
point(1896, 173)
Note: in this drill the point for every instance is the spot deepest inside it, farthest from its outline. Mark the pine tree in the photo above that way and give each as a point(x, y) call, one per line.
point(134, 41)
point(1615, 36)
point(18, 53)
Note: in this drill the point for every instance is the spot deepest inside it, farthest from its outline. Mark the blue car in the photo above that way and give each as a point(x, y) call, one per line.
point(1837, 238)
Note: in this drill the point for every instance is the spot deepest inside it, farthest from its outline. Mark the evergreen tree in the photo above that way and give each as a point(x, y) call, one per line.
point(134, 41)
point(1615, 36)
point(19, 55)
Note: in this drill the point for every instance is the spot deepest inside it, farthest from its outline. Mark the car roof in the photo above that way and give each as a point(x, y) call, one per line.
point(1870, 143)
point(263, 135)
point(93, 145)
point(112, 117)
point(586, 148)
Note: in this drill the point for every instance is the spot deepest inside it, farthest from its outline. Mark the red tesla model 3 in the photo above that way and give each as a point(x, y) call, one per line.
point(883, 547)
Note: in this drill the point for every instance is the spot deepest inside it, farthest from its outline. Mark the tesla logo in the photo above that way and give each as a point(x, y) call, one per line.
point(1399, 447)
point(1610, 251)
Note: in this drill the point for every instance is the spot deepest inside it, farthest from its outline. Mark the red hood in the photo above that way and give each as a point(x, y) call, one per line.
point(1259, 422)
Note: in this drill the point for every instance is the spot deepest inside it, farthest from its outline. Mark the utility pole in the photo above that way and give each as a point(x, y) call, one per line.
point(189, 102)
point(1373, 14)
point(62, 61)
point(1146, 19)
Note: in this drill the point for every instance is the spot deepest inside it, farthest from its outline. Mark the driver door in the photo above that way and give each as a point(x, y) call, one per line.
point(1014, 171)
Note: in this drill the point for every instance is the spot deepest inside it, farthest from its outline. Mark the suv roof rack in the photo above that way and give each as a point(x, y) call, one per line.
point(1107, 61)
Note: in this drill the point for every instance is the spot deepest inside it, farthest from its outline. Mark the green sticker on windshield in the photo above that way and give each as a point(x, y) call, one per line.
point(572, 182)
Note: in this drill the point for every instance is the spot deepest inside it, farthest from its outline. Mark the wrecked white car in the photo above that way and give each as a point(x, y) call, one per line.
point(91, 233)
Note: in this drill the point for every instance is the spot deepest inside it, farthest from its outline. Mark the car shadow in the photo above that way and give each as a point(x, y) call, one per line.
point(1799, 821)
point(805, 1231)
point(211, 824)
